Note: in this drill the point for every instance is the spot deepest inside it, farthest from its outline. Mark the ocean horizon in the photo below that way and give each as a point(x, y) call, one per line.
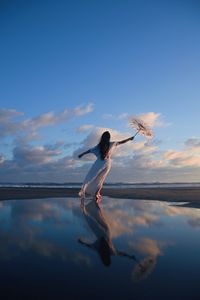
point(106, 185)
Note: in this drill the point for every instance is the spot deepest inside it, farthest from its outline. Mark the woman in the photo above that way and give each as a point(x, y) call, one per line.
point(94, 180)
point(103, 245)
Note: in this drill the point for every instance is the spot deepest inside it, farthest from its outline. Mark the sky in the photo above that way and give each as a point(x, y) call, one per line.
point(71, 69)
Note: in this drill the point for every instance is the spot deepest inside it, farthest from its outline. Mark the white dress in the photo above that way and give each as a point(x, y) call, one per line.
point(98, 224)
point(98, 172)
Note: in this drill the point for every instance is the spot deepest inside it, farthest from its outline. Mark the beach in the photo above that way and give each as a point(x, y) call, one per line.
point(190, 195)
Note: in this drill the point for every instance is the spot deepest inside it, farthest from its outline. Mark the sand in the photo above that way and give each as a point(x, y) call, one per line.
point(190, 195)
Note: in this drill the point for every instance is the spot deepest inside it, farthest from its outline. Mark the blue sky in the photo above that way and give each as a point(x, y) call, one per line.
point(110, 57)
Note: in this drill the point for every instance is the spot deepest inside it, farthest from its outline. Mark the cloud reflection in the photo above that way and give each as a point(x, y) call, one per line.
point(135, 229)
point(101, 223)
point(26, 229)
point(98, 224)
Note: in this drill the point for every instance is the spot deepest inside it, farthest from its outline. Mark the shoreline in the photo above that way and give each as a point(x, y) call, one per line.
point(191, 195)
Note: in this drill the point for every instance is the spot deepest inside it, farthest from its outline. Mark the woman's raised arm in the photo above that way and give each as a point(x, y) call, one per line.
point(86, 152)
point(125, 141)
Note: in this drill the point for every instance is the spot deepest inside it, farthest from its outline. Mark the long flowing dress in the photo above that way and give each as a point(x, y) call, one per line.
point(99, 225)
point(98, 172)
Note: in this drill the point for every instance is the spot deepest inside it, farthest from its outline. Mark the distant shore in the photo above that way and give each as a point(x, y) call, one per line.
point(191, 195)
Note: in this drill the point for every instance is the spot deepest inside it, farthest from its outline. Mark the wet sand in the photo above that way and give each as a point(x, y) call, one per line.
point(191, 195)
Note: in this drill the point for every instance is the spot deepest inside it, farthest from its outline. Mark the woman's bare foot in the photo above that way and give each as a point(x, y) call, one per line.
point(98, 199)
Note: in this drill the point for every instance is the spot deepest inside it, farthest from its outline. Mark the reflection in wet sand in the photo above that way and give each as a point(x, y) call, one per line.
point(103, 244)
point(25, 227)
point(153, 237)
point(144, 268)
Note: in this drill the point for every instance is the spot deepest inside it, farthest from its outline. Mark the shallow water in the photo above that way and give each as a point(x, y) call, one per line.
point(128, 249)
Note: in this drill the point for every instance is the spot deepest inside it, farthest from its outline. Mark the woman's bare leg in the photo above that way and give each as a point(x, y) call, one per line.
point(82, 202)
point(98, 196)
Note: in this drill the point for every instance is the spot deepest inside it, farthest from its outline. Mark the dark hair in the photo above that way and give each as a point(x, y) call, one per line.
point(104, 252)
point(104, 144)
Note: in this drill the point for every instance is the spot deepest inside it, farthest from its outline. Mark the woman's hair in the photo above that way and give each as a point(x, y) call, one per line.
point(104, 144)
point(104, 252)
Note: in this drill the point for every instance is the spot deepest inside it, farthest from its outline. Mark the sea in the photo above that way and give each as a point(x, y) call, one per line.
point(121, 185)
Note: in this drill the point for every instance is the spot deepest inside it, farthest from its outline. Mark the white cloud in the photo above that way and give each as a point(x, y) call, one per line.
point(2, 159)
point(134, 161)
point(121, 116)
point(82, 110)
point(184, 158)
point(123, 150)
point(52, 118)
point(28, 129)
point(84, 128)
point(24, 235)
point(8, 124)
point(193, 142)
point(148, 246)
point(28, 155)
point(153, 119)
point(7, 114)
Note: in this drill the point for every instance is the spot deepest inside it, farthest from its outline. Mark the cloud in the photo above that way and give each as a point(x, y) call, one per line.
point(121, 116)
point(132, 162)
point(125, 150)
point(136, 161)
point(82, 110)
point(52, 118)
point(190, 215)
point(192, 142)
point(153, 119)
point(7, 114)
point(8, 124)
point(124, 219)
point(147, 246)
point(152, 249)
point(185, 158)
point(38, 211)
point(26, 130)
point(2, 159)
point(84, 128)
point(28, 155)
point(24, 234)
point(194, 222)
point(122, 222)
point(44, 163)
point(144, 268)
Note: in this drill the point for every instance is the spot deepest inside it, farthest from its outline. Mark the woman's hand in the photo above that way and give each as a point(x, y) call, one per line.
point(126, 140)
point(86, 152)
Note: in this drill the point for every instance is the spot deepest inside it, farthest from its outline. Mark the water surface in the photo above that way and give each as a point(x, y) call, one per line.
point(128, 249)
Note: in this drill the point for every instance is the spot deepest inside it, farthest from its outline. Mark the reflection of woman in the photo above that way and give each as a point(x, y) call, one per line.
point(144, 268)
point(103, 244)
point(94, 180)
